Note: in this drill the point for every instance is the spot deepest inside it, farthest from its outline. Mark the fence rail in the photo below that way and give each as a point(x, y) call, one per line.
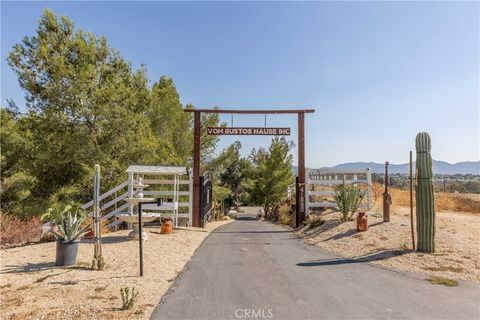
point(330, 178)
point(112, 202)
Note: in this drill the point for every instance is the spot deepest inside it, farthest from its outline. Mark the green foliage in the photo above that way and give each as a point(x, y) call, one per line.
point(231, 170)
point(272, 174)
point(71, 225)
point(348, 199)
point(86, 105)
point(56, 213)
point(129, 297)
point(425, 199)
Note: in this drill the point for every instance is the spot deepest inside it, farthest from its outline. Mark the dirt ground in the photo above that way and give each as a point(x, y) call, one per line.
point(31, 287)
point(389, 244)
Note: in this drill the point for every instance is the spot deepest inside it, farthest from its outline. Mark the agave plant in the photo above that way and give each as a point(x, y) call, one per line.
point(348, 199)
point(72, 227)
point(55, 214)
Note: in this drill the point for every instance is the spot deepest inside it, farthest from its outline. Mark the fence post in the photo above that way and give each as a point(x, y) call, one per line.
point(307, 193)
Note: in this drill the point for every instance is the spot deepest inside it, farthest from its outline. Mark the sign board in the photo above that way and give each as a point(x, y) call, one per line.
point(248, 131)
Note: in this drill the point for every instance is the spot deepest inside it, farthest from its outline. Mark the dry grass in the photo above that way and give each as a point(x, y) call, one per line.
point(445, 281)
point(284, 216)
point(447, 202)
point(14, 231)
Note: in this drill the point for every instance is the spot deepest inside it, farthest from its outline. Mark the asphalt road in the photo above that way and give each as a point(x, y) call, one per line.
point(257, 270)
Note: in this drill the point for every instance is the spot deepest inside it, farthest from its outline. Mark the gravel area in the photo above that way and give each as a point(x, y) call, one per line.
point(389, 244)
point(31, 287)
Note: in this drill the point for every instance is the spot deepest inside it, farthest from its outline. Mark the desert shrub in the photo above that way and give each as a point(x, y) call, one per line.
point(445, 281)
point(314, 221)
point(283, 214)
point(128, 298)
point(15, 231)
point(348, 199)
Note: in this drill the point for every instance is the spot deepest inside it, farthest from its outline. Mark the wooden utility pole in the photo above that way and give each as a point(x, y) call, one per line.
point(411, 200)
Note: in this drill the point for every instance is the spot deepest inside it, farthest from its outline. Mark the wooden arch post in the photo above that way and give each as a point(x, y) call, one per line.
point(197, 151)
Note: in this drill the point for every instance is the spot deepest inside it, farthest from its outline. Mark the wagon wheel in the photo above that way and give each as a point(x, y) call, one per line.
point(365, 204)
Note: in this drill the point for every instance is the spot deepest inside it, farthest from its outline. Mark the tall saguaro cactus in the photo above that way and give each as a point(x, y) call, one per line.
point(98, 262)
point(425, 200)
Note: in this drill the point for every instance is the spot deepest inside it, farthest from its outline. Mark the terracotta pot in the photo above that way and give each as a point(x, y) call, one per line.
point(362, 221)
point(167, 226)
point(90, 234)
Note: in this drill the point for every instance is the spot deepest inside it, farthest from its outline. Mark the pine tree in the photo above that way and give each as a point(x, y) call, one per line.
point(272, 175)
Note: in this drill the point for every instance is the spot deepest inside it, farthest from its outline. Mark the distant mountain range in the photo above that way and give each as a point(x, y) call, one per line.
point(439, 167)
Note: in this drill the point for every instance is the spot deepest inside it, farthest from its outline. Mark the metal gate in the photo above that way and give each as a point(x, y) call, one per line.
point(206, 193)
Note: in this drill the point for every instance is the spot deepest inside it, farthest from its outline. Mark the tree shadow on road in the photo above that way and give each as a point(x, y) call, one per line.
point(386, 254)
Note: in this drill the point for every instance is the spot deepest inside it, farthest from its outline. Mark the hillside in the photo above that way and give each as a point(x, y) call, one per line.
point(439, 167)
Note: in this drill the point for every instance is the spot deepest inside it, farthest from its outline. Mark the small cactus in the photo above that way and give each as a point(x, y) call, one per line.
point(425, 200)
point(98, 262)
point(128, 300)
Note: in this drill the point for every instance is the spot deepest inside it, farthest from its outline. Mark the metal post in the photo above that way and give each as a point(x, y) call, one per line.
point(301, 163)
point(386, 197)
point(196, 170)
point(411, 200)
point(140, 229)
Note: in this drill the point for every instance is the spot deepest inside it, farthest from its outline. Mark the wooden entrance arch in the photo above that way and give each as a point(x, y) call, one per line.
point(196, 155)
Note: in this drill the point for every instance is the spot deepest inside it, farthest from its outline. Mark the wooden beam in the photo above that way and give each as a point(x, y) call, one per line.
point(255, 111)
point(196, 169)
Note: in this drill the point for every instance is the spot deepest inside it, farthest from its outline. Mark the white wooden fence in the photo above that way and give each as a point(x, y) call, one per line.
point(112, 202)
point(326, 180)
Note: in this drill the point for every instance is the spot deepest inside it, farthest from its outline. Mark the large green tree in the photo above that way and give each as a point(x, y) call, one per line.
point(272, 175)
point(87, 105)
point(233, 171)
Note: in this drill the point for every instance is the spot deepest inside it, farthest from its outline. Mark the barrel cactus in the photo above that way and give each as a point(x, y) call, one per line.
point(425, 200)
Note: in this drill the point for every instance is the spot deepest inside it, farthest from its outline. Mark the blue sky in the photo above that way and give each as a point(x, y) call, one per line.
point(376, 72)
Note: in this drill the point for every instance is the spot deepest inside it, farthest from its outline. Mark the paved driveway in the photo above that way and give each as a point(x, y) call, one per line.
point(257, 270)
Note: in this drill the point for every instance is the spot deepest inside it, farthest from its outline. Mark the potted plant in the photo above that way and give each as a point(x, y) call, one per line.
point(68, 235)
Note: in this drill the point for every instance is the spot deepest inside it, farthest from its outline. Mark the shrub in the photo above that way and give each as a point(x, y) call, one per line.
point(70, 227)
point(128, 300)
point(284, 216)
point(445, 281)
point(15, 231)
point(348, 199)
point(315, 221)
